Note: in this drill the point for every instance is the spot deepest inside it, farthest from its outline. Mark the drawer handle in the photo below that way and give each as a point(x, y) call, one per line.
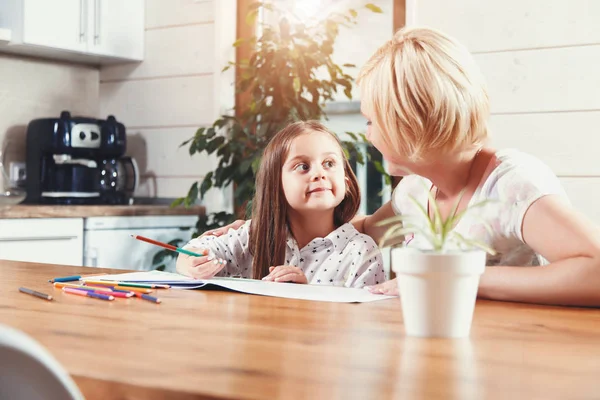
point(37, 238)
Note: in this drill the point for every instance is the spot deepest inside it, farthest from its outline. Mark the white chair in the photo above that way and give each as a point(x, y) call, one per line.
point(29, 372)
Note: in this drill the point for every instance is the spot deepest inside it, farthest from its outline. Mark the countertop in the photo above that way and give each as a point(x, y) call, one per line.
point(62, 211)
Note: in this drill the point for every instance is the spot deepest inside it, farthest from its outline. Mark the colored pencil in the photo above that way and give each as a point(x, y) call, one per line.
point(35, 293)
point(117, 286)
point(133, 289)
point(167, 246)
point(72, 278)
point(87, 293)
point(60, 285)
point(144, 285)
point(128, 284)
point(103, 283)
point(148, 297)
point(122, 295)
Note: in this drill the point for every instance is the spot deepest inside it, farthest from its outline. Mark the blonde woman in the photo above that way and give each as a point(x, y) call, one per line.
point(427, 109)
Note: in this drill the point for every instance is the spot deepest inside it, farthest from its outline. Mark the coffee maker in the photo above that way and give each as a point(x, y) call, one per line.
point(78, 160)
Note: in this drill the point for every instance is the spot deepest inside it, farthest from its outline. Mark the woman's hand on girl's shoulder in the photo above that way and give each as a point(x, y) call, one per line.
point(224, 229)
point(286, 273)
point(389, 288)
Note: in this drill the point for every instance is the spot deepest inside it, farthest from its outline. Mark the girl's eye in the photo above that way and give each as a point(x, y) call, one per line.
point(369, 123)
point(329, 164)
point(301, 167)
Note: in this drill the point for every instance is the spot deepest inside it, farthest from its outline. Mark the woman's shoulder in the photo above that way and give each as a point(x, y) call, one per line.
point(354, 237)
point(517, 171)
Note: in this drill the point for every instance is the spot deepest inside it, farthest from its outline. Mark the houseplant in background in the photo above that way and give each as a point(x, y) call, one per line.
point(290, 75)
point(437, 283)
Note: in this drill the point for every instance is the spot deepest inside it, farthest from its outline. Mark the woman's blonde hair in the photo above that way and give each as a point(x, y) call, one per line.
point(425, 94)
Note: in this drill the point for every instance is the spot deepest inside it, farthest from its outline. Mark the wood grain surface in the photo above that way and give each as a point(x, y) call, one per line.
point(214, 344)
point(64, 211)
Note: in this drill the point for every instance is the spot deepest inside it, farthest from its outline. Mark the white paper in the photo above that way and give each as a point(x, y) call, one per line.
point(251, 286)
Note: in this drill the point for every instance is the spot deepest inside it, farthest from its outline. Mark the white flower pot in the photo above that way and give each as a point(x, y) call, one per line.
point(438, 290)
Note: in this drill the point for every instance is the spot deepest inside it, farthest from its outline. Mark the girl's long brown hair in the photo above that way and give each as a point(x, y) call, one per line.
point(269, 227)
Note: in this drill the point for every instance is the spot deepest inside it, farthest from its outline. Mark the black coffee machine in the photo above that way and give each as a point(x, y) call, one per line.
point(78, 160)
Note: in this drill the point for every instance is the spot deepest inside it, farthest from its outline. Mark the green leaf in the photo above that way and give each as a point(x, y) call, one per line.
point(475, 244)
point(251, 17)
point(192, 195)
point(374, 8)
point(393, 220)
point(206, 184)
point(297, 84)
point(256, 165)
point(379, 167)
point(352, 135)
point(186, 142)
point(177, 202)
point(430, 223)
point(226, 68)
point(238, 42)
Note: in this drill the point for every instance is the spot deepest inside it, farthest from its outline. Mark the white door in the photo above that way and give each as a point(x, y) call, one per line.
point(58, 23)
point(117, 28)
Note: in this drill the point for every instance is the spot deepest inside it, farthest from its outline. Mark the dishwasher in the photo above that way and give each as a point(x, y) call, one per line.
point(107, 241)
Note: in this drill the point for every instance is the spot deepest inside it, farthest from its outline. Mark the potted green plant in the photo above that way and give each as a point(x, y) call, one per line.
point(290, 75)
point(437, 283)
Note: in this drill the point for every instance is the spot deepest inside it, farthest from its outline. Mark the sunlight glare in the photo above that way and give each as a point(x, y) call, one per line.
point(307, 8)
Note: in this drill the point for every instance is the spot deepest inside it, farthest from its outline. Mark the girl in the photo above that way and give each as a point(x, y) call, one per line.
point(306, 193)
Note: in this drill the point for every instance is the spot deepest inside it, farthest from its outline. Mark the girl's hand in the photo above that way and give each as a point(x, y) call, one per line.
point(224, 229)
point(204, 267)
point(389, 288)
point(285, 273)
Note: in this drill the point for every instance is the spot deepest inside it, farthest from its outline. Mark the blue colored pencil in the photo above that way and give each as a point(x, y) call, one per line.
point(71, 278)
point(148, 297)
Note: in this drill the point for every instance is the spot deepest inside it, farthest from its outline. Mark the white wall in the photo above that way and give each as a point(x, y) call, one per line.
point(178, 88)
point(34, 88)
point(541, 59)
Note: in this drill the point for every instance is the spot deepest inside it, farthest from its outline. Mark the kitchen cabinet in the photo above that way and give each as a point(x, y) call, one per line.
point(44, 240)
point(40, 25)
point(98, 31)
point(114, 32)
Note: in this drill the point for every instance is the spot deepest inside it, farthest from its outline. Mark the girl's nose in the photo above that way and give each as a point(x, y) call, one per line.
point(318, 174)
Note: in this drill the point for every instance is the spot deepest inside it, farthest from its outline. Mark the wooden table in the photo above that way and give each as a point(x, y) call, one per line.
point(210, 344)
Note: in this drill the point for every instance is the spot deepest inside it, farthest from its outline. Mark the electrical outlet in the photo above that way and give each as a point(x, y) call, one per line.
point(17, 174)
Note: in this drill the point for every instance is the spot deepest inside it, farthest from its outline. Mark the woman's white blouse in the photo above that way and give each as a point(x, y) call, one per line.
point(517, 181)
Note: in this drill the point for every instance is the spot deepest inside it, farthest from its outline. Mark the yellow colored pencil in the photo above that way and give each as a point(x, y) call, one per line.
point(103, 283)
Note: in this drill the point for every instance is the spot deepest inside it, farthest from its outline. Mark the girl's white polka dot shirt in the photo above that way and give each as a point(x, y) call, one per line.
point(345, 257)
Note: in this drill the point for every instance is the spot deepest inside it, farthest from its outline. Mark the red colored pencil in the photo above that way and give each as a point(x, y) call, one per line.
point(167, 246)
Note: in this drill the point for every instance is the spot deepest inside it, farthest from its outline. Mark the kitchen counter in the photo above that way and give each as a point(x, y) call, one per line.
point(64, 211)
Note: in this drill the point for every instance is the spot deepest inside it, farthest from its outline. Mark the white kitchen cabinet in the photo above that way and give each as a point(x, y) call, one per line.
point(59, 24)
point(44, 240)
point(97, 31)
point(114, 32)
